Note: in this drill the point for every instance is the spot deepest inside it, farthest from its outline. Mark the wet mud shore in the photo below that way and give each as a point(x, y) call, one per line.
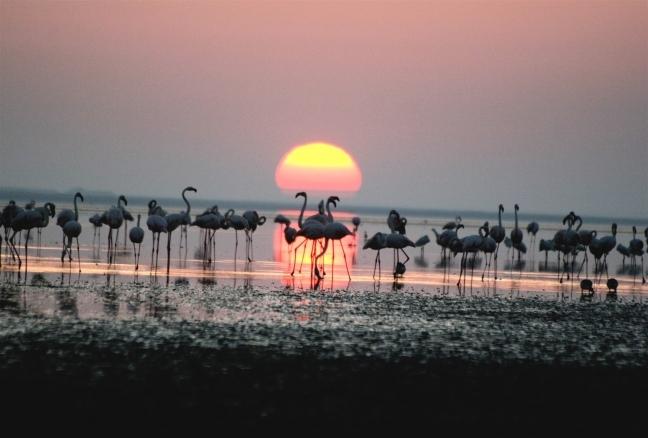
point(346, 360)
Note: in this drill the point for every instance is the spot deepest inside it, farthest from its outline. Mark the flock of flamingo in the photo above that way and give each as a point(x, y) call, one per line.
point(321, 230)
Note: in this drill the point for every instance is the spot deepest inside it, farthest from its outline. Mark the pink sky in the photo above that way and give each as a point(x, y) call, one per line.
point(443, 104)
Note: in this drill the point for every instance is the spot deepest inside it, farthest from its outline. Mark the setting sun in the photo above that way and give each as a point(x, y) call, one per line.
point(319, 167)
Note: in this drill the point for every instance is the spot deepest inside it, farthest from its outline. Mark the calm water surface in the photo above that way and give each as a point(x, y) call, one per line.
point(51, 287)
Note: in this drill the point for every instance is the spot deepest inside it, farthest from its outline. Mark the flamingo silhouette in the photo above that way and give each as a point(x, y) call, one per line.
point(636, 250)
point(333, 231)
point(26, 220)
point(95, 220)
point(114, 218)
point(174, 220)
point(516, 233)
point(498, 233)
point(377, 242)
point(72, 230)
point(136, 236)
point(67, 215)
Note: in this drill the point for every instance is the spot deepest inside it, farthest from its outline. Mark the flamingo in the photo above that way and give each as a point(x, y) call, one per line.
point(498, 233)
point(290, 233)
point(377, 242)
point(136, 236)
point(446, 238)
point(398, 242)
point(636, 250)
point(608, 243)
point(209, 221)
point(516, 233)
point(27, 220)
point(156, 225)
point(95, 220)
point(532, 229)
point(469, 244)
point(421, 242)
point(9, 212)
point(396, 223)
point(584, 238)
point(625, 252)
point(254, 221)
point(67, 215)
point(565, 240)
point(546, 246)
point(488, 247)
point(239, 223)
point(333, 231)
point(313, 230)
point(128, 217)
point(452, 224)
point(72, 230)
point(155, 210)
point(114, 218)
point(174, 220)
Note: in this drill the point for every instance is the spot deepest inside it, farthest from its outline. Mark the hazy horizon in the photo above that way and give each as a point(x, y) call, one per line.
point(444, 105)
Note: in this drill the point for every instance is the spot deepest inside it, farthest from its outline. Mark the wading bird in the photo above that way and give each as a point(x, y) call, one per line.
point(636, 250)
point(114, 218)
point(156, 225)
point(174, 220)
point(27, 220)
point(498, 233)
point(254, 221)
point(398, 242)
point(452, 224)
point(67, 215)
point(516, 233)
point(377, 242)
point(95, 220)
point(136, 236)
point(72, 230)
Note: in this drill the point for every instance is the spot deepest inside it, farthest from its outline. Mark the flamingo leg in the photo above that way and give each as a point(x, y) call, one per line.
point(157, 251)
point(169, 251)
point(26, 249)
point(15, 253)
point(345, 261)
point(78, 254)
point(295, 259)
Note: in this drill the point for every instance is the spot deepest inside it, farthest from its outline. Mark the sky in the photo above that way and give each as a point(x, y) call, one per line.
point(449, 105)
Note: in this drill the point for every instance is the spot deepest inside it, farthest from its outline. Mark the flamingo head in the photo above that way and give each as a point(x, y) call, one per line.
point(501, 208)
point(51, 208)
point(123, 199)
point(297, 195)
point(152, 203)
point(80, 196)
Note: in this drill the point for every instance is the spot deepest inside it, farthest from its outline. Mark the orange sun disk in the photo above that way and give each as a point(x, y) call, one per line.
point(318, 167)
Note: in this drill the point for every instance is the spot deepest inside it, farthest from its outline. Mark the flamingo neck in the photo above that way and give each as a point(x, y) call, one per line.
point(328, 210)
point(186, 201)
point(76, 209)
point(300, 221)
point(516, 219)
